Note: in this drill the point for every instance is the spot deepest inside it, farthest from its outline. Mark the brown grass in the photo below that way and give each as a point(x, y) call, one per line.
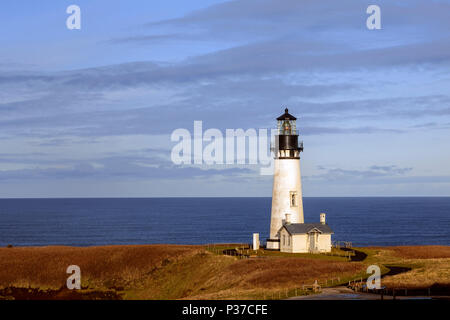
point(415, 252)
point(422, 252)
point(430, 265)
point(282, 272)
point(209, 276)
point(163, 271)
point(191, 272)
point(425, 273)
point(108, 266)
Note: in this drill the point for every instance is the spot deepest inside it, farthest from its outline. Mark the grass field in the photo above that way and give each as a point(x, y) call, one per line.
point(430, 265)
point(199, 272)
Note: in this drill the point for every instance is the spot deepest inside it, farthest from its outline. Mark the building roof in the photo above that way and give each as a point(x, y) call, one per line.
point(286, 116)
point(300, 228)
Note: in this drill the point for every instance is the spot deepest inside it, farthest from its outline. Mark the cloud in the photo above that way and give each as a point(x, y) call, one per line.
point(149, 39)
point(243, 19)
point(390, 169)
point(120, 168)
point(337, 130)
point(217, 107)
point(346, 175)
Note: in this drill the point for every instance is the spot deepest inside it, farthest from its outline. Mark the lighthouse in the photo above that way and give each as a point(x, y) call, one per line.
point(287, 201)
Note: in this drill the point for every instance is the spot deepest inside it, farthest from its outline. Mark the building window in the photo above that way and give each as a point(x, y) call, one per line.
point(289, 241)
point(284, 240)
point(293, 198)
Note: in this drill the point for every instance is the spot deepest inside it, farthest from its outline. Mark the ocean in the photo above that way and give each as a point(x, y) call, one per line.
point(374, 221)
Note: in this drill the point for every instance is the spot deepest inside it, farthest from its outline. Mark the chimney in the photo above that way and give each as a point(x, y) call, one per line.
point(322, 218)
point(256, 241)
point(288, 218)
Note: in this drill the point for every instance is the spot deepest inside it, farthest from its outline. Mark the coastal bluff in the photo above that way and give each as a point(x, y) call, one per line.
point(194, 272)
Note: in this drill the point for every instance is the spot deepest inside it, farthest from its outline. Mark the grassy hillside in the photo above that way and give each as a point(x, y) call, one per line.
point(194, 272)
point(102, 268)
point(430, 265)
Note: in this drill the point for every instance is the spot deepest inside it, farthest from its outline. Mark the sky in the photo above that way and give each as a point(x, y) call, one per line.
point(90, 112)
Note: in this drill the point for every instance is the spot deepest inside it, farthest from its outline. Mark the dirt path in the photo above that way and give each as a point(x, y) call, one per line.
point(344, 293)
point(359, 255)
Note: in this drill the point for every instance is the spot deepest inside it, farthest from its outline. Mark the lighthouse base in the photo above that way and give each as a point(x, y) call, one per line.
point(273, 244)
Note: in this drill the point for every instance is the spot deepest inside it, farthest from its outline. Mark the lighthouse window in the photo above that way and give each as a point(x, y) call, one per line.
point(286, 128)
point(293, 198)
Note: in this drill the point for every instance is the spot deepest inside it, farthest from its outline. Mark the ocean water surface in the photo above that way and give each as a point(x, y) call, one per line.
point(373, 221)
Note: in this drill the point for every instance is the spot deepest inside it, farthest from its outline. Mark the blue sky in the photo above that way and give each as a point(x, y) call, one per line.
point(89, 112)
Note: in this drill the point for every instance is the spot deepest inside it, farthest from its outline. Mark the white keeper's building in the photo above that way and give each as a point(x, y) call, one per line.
point(305, 237)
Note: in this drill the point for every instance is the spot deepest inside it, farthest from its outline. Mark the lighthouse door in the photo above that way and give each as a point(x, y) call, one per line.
point(312, 242)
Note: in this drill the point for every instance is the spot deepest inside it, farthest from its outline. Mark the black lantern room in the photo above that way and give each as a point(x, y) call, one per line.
point(287, 138)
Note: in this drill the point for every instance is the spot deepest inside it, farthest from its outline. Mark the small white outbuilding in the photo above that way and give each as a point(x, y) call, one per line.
point(305, 237)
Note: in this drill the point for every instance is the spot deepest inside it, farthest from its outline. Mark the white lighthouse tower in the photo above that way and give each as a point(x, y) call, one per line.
point(287, 201)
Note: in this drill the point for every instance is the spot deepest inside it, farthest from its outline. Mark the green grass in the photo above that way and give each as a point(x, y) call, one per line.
point(335, 255)
point(338, 255)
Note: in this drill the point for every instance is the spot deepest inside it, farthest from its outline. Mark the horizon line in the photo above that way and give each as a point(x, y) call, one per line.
point(210, 197)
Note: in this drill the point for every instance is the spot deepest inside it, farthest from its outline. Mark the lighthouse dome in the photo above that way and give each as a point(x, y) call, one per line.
point(286, 116)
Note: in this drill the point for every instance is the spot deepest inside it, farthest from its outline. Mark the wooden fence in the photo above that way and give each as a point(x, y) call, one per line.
point(342, 244)
point(302, 290)
point(361, 286)
point(239, 250)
